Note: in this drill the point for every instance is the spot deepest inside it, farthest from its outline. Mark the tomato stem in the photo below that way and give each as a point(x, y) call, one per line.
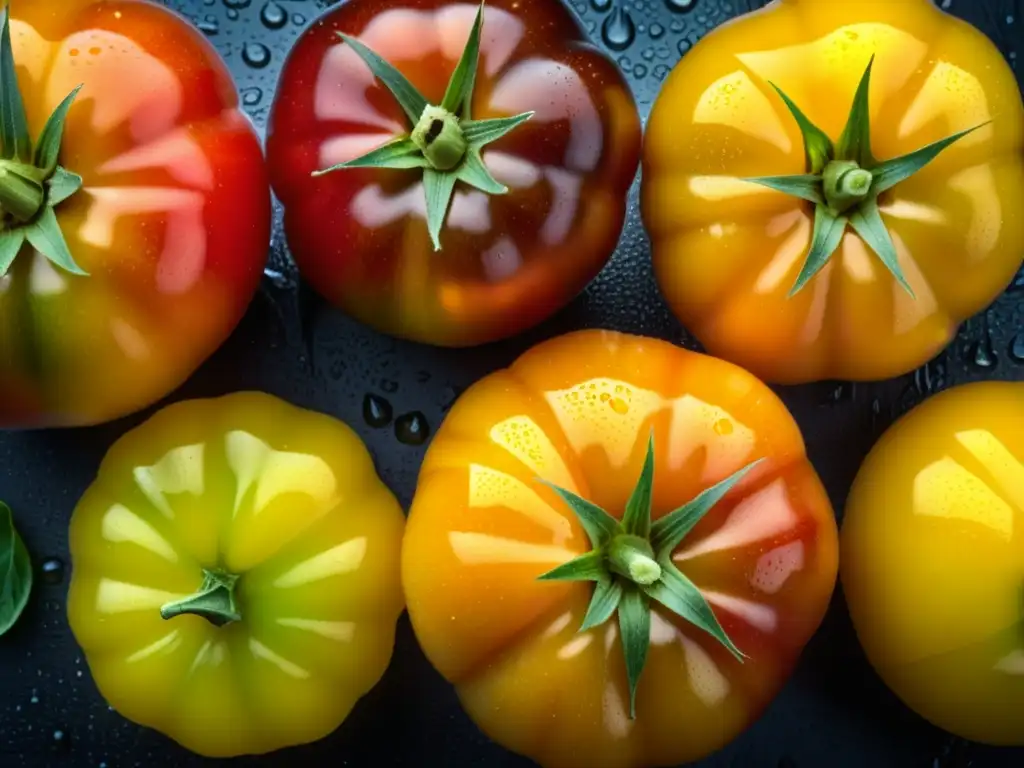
point(21, 195)
point(633, 557)
point(440, 138)
point(214, 601)
point(845, 184)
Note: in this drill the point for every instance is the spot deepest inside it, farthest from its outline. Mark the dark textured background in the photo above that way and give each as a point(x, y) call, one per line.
point(835, 713)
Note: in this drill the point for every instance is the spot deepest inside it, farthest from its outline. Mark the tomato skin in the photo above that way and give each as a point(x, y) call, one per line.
point(508, 262)
point(932, 564)
point(287, 500)
point(577, 411)
point(173, 221)
point(727, 252)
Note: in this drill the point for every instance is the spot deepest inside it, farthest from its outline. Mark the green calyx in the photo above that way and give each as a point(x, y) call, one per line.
point(844, 180)
point(631, 566)
point(444, 141)
point(214, 601)
point(32, 183)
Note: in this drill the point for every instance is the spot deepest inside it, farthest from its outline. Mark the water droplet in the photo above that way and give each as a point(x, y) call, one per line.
point(982, 354)
point(377, 411)
point(61, 739)
point(640, 71)
point(389, 386)
point(412, 428)
point(619, 405)
point(680, 5)
point(273, 15)
point(656, 31)
point(256, 55)
point(618, 30)
point(601, 5)
point(1017, 348)
point(947, 4)
point(237, 3)
point(232, 14)
point(52, 571)
point(298, 19)
point(724, 427)
point(252, 97)
point(209, 25)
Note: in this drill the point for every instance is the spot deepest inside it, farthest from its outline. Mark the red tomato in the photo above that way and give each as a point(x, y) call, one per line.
point(171, 223)
point(509, 261)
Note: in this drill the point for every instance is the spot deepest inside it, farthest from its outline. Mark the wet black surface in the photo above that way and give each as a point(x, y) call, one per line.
point(834, 713)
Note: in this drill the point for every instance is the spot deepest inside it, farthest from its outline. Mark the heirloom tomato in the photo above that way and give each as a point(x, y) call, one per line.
point(134, 208)
point(236, 574)
point(497, 133)
point(831, 188)
point(932, 563)
point(530, 530)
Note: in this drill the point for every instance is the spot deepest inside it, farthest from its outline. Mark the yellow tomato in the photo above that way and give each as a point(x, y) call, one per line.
point(236, 579)
point(932, 560)
point(727, 252)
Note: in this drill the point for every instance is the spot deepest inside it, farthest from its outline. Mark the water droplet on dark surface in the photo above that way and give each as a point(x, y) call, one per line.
point(377, 411)
point(680, 5)
point(52, 571)
point(251, 97)
point(600, 5)
point(232, 14)
point(618, 30)
point(298, 19)
point(209, 25)
point(256, 55)
point(273, 15)
point(61, 739)
point(237, 3)
point(656, 31)
point(1017, 348)
point(412, 428)
point(982, 354)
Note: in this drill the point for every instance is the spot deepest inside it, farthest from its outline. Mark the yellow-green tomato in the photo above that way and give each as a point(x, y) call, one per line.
point(932, 560)
point(236, 574)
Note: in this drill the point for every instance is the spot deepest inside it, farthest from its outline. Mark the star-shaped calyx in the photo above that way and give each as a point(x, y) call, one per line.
point(32, 183)
point(631, 565)
point(444, 140)
point(844, 180)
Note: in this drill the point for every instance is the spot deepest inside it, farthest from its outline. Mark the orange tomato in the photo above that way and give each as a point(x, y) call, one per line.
point(578, 411)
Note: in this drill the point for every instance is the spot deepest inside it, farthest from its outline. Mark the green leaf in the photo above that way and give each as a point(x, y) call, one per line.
point(599, 525)
point(681, 596)
point(62, 185)
point(44, 234)
point(459, 95)
point(806, 187)
point(892, 172)
point(587, 567)
point(867, 222)
point(635, 632)
point(11, 241)
point(669, 531)
point(636, 520)
point(15, 571)
point(818, 150)
point(480, 133)
point(475, 173)
point(439, 187)
point(828, 233)
point(855, 143)
point(411, 100)
point(400, 153)
point(607, 595)
point(48, 147)
point(15, 142)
